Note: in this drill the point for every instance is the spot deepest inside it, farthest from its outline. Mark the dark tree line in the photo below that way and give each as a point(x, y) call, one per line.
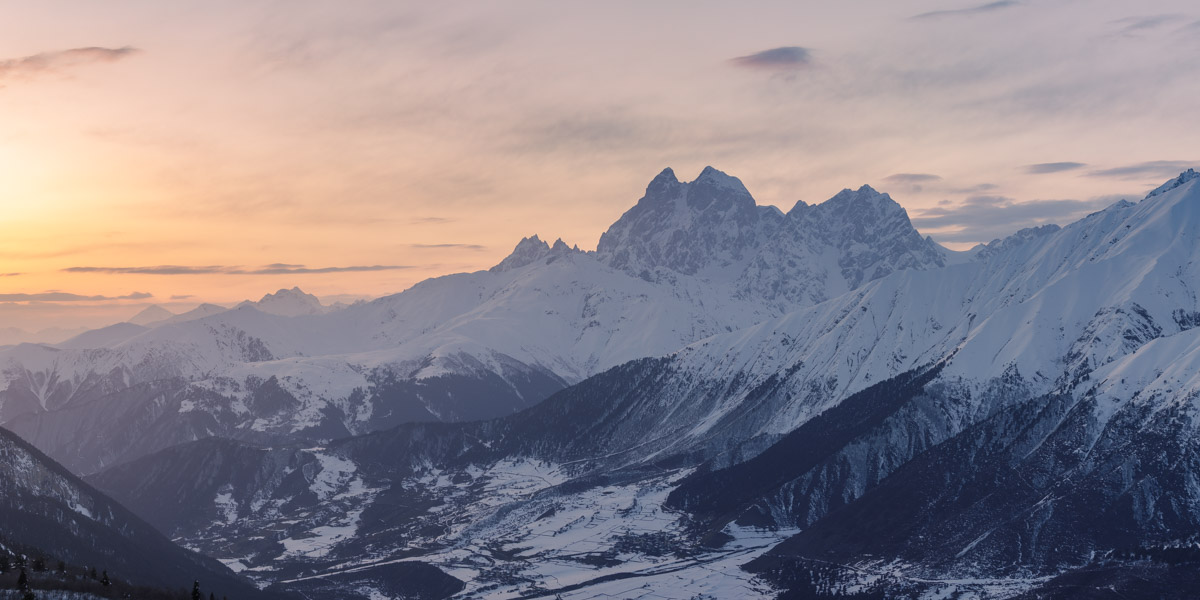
point(30, 572)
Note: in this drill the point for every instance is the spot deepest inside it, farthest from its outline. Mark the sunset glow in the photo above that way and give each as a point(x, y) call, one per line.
point(366, 147)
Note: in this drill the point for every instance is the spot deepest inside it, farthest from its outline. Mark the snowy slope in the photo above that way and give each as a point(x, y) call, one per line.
point(1050, 306)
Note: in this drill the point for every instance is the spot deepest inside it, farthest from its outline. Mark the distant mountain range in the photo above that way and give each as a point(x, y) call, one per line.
point(15, 335)
point(722, 399)
point(688, 261)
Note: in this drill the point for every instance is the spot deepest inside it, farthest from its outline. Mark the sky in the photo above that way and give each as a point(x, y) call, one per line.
point(180, 152)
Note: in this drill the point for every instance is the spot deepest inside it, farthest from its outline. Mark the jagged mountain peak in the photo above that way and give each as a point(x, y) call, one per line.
point(714, 177)
point(858, 216)
point(528, 250)
point(712, 227)
point(871, 231)
point(151, 314)
point(206, 309)
point(863, 191)
point(666, 186)
point(799, 207)
point(561, 246)
point(530, 244)
point(1184, 178)
point(289, 294)
point(864, 202)
point(684, 227)
point(666, 189)
point(288, 303)
point(532, 249)
point(666, 179)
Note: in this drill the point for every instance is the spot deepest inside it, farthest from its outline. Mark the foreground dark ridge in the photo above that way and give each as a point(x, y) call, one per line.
point(47, 510)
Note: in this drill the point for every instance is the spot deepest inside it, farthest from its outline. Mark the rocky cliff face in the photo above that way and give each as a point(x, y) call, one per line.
point(711, 227)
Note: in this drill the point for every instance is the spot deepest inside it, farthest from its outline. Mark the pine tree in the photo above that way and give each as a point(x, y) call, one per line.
point(104, 580)
point(39, 563)
point(92, 573)
point(23, 581)
point(196, 590)
point(4, 563)
point(211, 596)
point(62, 567)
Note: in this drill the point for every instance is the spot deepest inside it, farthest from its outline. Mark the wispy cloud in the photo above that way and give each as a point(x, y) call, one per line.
point(966, 12)
point(578, 132)
point(158, 270)
point(913, 182)
point(271, 269)
point(984, 218)
point(21, 249)
point(1155, 168)
point(1053, 167)
point(182, 296)
point(786, 57)
point(972, 189)
point(430, 220)
point(59, 60)
point(458, 246)
point(1134, 25)
point(10, 274)
point(69, 297)
point(912, 178)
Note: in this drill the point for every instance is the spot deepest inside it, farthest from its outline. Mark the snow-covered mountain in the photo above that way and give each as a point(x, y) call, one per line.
point(1016, 423)
point(688, 261)
point(204, 310)
point(10, 336)
point(288, 303)
point(711, 227)
point(150, 315)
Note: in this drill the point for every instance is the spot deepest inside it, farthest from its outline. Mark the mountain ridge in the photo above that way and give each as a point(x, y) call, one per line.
point(1066, 355)
point(457, 347)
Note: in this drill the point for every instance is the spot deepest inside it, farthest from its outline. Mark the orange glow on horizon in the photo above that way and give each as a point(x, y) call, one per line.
point(434, 137)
